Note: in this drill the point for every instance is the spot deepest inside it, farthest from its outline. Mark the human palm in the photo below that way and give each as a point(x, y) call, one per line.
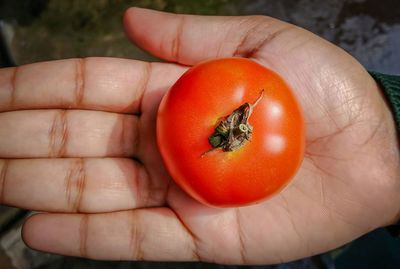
point(113, 196)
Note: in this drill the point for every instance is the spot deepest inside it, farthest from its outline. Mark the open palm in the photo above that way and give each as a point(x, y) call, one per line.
point(78, 138)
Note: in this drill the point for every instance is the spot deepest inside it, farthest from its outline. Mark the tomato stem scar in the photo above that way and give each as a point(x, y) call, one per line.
point(234, 130)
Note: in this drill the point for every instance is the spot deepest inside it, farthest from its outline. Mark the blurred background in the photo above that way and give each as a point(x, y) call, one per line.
point(39, 30)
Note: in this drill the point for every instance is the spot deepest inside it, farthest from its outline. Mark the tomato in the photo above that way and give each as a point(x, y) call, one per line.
point(224, 160)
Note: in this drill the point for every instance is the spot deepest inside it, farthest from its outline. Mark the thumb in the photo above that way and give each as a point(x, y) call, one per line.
point(188, 39)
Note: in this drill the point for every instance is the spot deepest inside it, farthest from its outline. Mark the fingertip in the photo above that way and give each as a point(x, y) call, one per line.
point(139, 11)
point(29, 231)
point(52, 233)
point(130, 13)
point(131, 21)
point(151, 30)
point(126, 20)
point(133, 16)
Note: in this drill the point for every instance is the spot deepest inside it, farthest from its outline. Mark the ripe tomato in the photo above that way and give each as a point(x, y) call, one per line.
point(224, 160)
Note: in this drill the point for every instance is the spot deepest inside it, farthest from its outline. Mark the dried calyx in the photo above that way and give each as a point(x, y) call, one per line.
point(234, 130)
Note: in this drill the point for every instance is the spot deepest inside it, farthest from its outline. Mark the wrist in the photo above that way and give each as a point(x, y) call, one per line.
point(389, 87)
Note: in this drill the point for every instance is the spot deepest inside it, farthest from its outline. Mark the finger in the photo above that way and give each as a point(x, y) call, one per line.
point(188, 39)
point(151, 234)
point(67, 133)
point(108, 84)
point(78, 185)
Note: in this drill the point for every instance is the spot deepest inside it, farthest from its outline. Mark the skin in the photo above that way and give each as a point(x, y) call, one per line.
point(102, 118)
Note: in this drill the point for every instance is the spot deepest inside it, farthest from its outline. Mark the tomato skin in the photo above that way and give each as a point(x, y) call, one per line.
point(194, 105)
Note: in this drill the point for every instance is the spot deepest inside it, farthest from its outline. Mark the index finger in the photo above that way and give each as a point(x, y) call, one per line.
point(109, 84)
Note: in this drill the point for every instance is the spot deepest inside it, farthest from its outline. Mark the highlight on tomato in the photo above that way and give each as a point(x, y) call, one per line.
point(230, 132)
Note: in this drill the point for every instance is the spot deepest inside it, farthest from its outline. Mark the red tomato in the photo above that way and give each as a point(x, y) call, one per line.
point(249, 163)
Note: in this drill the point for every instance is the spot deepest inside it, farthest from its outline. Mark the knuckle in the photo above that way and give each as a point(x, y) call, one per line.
point(80, 78)
point(136, 237)
point(83, 236)
point(153, 192)
point(58, 134)
point(256, 33)
point(176, 42)
point(74, 185)
point(128, 134)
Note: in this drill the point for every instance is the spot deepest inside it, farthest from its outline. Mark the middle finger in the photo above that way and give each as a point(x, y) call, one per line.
point(67, 133)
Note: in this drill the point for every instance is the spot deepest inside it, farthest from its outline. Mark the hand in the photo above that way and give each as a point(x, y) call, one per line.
point(87, 151)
